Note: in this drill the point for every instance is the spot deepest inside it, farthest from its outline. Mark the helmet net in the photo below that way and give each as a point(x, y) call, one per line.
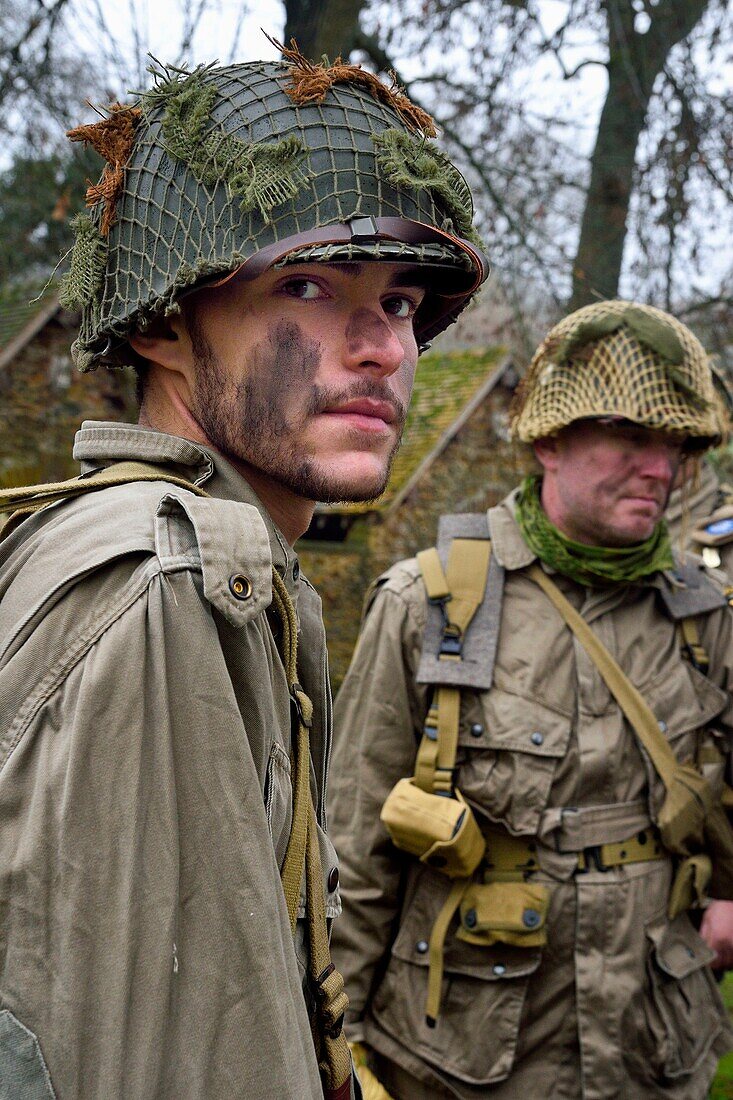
point(222, 162)
point(617, 358)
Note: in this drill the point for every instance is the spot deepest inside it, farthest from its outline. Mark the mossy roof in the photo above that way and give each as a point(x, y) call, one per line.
point(20, 304)
point(445, 384)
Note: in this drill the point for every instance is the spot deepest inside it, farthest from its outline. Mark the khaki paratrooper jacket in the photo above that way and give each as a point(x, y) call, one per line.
point(145, 791)
point(620, 1002)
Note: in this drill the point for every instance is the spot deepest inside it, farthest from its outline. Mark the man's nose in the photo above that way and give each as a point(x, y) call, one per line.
point(660, 462)
point(372, 345)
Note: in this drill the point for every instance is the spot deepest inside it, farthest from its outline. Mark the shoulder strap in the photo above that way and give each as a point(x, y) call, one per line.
point(458, 592)
point(24, 501)
point(691, 643)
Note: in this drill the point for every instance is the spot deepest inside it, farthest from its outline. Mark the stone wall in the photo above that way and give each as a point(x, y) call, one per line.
point(43, 400)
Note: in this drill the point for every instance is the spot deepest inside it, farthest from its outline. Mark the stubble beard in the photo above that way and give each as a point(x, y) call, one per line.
point(247, 421)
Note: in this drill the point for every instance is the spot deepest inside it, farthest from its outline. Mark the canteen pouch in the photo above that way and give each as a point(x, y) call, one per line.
point(504, 912)
point(690, 883)
point(687, 803)
point(440, 831)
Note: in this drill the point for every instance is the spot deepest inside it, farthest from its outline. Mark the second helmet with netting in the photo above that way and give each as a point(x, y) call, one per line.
point(620, 359)
point(261, 164)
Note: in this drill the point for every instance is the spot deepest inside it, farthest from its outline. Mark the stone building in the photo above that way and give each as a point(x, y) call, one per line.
point(43, 398)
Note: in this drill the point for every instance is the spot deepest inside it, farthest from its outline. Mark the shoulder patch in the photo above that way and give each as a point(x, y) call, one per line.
point(717, 529)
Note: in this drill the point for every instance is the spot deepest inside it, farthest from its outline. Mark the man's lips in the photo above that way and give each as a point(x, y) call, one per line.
point(369, 408)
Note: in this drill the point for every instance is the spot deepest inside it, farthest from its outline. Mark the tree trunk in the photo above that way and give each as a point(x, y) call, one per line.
point(323, 26)
point(634, 63)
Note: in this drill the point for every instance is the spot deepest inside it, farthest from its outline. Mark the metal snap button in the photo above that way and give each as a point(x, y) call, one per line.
point(663, 726)
point(537, 738)
point(470, 918)
point(240, 586)
point(477, 729)
point(499, 969)
point(296, 570)
point(531, 918)
point(333, 879)
point(422, 947)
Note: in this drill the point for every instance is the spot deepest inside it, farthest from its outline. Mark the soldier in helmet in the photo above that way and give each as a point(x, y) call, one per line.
point(269, 246)
point(531, 753)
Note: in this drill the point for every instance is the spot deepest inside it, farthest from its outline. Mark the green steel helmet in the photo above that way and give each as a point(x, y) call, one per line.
point(623, 360)
point(244, 167)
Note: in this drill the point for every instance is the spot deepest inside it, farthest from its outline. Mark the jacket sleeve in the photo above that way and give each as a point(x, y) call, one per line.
point(145, 942)
point(378, 722)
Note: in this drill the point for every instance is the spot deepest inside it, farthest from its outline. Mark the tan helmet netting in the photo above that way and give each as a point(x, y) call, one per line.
point(617, 358)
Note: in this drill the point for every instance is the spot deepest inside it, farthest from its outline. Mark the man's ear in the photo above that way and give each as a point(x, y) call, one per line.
point(165, 341)
point(546, 452)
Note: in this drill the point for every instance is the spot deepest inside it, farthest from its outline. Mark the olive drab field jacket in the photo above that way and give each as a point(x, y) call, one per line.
point(145, 791)
point(619, 1001)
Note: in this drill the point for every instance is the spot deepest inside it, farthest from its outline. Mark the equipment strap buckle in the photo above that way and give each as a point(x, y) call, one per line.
point(591, 855)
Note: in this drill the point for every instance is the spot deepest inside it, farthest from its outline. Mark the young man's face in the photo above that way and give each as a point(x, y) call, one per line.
point(607, 484)
point(305, 373)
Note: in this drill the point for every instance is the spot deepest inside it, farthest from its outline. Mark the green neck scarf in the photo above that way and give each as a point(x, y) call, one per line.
point(589, 565)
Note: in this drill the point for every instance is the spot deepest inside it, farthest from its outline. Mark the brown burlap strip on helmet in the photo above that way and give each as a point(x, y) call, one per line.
point(112, 138)
point(311, 81)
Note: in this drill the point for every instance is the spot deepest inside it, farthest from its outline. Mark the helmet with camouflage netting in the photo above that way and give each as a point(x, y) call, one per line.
point(245, 167)
point(623, 360)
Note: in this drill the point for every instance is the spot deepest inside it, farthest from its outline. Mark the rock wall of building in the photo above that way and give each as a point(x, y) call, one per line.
point(43, 400)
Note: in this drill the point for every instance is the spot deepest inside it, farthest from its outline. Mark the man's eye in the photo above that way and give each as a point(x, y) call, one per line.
point(305, 289)
point(400, 306)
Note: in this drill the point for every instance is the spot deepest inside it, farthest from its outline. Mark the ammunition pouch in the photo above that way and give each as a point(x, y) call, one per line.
point(687, 803)
point(504, 912)
point(441, 831)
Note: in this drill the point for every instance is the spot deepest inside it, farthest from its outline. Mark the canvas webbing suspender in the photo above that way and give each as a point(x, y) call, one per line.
point(459, 590)
point(691, 640)
point(302, 854)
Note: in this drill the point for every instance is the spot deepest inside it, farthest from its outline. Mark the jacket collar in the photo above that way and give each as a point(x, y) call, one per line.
point(506, 539)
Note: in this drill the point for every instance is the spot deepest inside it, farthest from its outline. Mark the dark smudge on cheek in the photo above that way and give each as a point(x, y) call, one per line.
point(365, 328)
point(283, 364)
point(296, 357)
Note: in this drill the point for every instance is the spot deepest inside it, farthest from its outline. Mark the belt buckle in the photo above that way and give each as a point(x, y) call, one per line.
point(592, 854)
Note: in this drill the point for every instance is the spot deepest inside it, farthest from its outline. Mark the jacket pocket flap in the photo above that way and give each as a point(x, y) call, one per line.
point(494, 963)
point(500, 720)
point(678, 949)
point(686, 702)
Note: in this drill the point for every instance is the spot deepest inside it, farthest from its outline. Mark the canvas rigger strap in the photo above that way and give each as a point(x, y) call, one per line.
point(302, 855)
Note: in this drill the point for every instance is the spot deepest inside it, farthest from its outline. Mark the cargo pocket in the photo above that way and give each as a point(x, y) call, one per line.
point(23, 1072)
point(486, 985)
point(685, 1012)
point(279, 799)
point(509, 749)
